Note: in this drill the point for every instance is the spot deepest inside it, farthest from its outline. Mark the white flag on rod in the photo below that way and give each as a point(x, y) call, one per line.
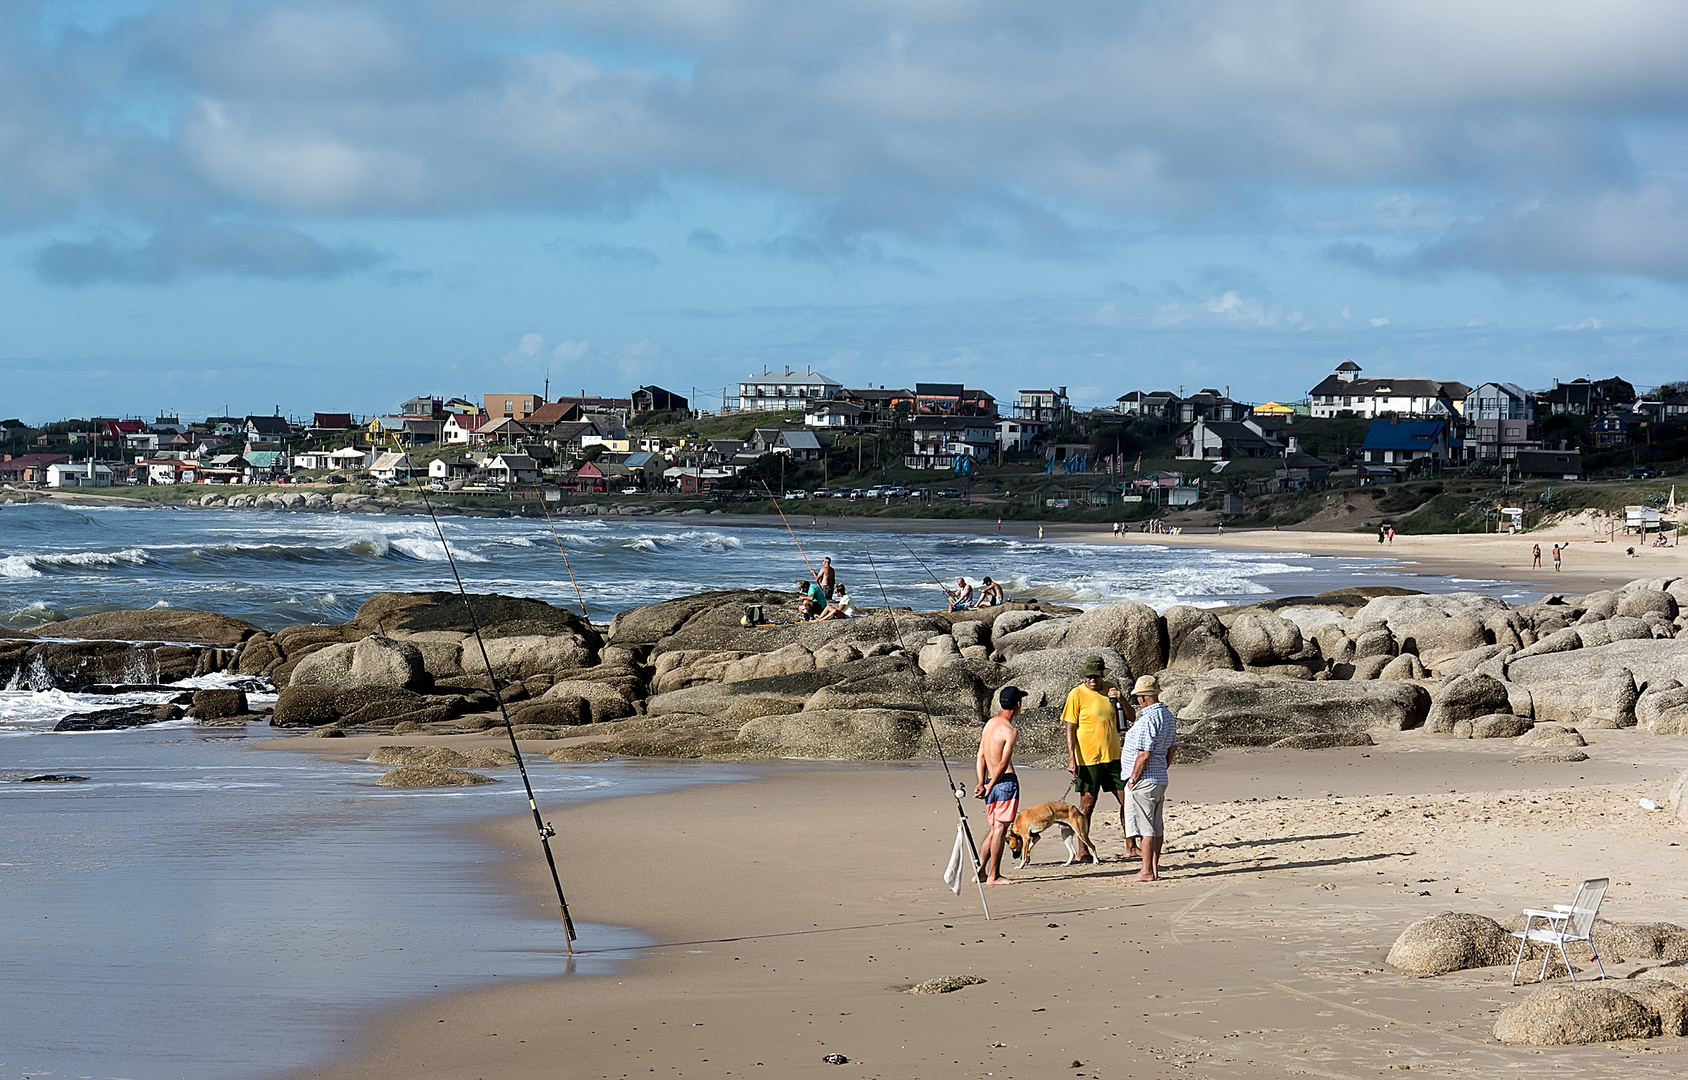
point(960, 859)
point(1672, 505)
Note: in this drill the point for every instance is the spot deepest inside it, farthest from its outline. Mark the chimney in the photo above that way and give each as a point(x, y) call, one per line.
point(1556, 384)
point(1294, 445)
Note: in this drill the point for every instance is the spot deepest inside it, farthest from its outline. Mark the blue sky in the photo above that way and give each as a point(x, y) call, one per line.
point(316, 206)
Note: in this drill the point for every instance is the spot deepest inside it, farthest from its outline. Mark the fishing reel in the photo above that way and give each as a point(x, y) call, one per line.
point(546, 832)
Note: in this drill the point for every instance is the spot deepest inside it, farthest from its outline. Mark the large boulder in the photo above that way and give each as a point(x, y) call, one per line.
point(1650, 661)
point(1261, 638)
point(952, 692)
point(1399, 613)
point(1617, 628)
point(1403, 668)
point(1452, 941)
point(1561, 640)
point(375, 660)
point(218, 704)
point(650, 624)
point(1240, 709)
point(498, 616)
point(751, 698)
point(1133, 630)
point(428, 776)
point(1046, 634)
point(1637, 603)
point(1612, 704)
point(314, 706)
point(1575, 1013)
point(600, 700)
point(156, 624)
point(1435, 641)
point(1552, 735)
point(788, 660)
point(522, 656)
point(1466, 697)
point(1049, 675)
point(1195, 641)
point(853, 734)
point(1663, 709)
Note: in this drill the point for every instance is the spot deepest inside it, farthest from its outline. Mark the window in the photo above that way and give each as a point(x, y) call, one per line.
point(509, 406)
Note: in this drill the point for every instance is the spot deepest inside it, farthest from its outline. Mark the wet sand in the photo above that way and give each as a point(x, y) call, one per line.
point(792, 911)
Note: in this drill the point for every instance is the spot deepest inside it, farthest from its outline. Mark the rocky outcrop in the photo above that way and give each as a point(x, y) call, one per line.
point(1132, 630)
point(218, 704)
point(156, 624)
point(1196, 641)
point(1465, 697)
point(427, 776)
point(1237, 709)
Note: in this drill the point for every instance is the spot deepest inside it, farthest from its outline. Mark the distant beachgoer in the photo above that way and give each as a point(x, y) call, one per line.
point(998, 785)
point(961, 596)
point(826, 576)
point(1558, 550)
point(1391, 534)
point(1380, 534)
point(1630, 552)
point(812, 599)
point(990, 595)
point(841, 606)
point(1040, 532)
point(1535, 556)
point(998, 524)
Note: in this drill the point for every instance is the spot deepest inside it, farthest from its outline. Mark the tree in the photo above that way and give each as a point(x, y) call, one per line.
point(1616, 390)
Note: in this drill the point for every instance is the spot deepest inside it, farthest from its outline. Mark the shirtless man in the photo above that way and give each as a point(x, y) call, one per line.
point(990, 595)
point(826, 577)
point(998, 785)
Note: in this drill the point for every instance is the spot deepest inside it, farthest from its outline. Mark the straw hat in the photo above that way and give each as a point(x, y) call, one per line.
point(1146, 686)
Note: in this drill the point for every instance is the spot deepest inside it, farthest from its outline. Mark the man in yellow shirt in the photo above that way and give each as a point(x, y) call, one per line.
point(1092, 717)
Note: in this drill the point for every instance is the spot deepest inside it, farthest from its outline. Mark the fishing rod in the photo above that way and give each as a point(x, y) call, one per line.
point(789, 529)
point(923, 566)
point(565, 556)
point(546, 832)
point(932, 725)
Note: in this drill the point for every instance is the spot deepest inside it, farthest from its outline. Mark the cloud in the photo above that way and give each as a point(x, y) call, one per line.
point(1060, 133)
point(609, 256)
point(247, 249)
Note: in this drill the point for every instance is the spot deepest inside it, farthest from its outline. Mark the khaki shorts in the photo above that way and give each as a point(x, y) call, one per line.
point(1143, 809)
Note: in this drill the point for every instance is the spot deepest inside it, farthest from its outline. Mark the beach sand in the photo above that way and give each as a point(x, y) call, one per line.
point(793, 909)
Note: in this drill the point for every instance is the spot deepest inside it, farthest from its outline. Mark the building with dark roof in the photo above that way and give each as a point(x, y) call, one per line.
point(1403, 442)
point(1344, 391)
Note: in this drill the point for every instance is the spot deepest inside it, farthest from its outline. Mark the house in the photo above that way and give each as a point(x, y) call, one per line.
point(1557, 464)
point(424, 407)
point(331, 421)
point(800, 445)
point(568, 437)
point(29, 468)
point(1274, 410)
point(1611, 432)
point(880, 402)
point(1344, 391)
point(393, 466)
point(952, 399)
point(940, 440)
point(1148, 404)
point(1015, 436)
point(833, 414)
point(692, 480)
point(600, 477)
point(1579, 397)
point(1498, 418)
point(1299, 470)
point(452, 467)
point(420, 432)
point(1209, 404)
point(1049, 406)
point(351, 459)
point(1224, 440)
point(265, 432)
point(511, 406)
point(113, 436)
point(505, 432)
point(170, 470)
point(557, 412)
point(655, 399)
point(265, 464)
point(79, 474)
point(1403, 442)
point(312, 460)
point(458, 427)
point(225, 469)
point(773, 391)
point(513, 469)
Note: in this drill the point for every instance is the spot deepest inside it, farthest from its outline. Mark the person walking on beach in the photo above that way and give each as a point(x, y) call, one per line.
point(999, 525)
point(1092, 718)
point(1040, 532)
point(1154, 741)
point(1391, 534)
point(998, 785)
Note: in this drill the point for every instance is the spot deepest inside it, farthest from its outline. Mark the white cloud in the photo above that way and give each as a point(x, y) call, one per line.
point(1586, 324)
point(1379, 321)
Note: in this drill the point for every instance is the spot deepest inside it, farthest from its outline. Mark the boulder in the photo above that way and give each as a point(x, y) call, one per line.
point(650, 624)
point(1049, 675)
point(1373, 667)
point(1239, 709)
point(1497, 726)
point(743, 701)
point(1541, 756)
point(939, 651)
point(1374, 641)
point(1047, 634)
point(257, 656)
point(1010, 621)
point(1558, 641)
point(1403, 611)
point(1196, 641)
point(1665, 992)
point(551, 713)
point(1452, 941)
point(1465, 697)
point(1473, 659)
point(156, 624)
point(499, 617)
point(424, 776)
point(1327, 740)
point(218, 704)
point(680, 668)
point(440, 757)
point(952, 692)
point(1552, 735)
point(1617, 628)
point(379, 660)
point(1612, 704)
point(971, 633)
point(603, 702)
point(77, 665)
point(520, 656)
point(1663, 709)
point(1403, 668)
point(1437, 641)
point(788, 660)
point(1638, 603)
point(1575, 1013)
point(313, 706)
point(1131, 629)
point(330, 666)
point(1260, 638)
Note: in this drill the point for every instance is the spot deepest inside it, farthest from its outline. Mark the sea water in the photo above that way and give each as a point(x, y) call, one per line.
point(200, 908)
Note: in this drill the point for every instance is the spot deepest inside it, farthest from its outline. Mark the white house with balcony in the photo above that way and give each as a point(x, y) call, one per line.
point(1344, 391)
point(774, 391)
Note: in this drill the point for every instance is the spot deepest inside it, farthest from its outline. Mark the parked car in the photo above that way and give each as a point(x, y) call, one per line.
point(820, 493)
point(1642, 473)
point(876, 491)
point(796, 494)
point(897, 492)
point(949, 493)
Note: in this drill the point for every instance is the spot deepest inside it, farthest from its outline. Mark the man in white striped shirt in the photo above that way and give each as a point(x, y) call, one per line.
point(1154, 738)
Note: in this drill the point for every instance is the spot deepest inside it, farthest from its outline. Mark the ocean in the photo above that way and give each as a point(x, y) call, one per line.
point(201, 908)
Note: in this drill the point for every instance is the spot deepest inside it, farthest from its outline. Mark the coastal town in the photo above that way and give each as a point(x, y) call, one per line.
point(803, 434)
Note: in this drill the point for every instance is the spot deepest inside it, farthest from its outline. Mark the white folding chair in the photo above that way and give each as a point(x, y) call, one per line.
point(1562, 924)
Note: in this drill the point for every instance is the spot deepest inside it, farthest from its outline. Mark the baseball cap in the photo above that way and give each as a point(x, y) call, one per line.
point(1011, 696)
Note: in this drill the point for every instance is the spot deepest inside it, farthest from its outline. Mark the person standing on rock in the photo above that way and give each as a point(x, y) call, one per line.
point(1154, 740)
point(826, 576)
point(998, 785)
point(1091, 715)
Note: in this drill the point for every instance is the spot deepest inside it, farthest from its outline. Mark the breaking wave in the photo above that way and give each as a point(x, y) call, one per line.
point(33, 566)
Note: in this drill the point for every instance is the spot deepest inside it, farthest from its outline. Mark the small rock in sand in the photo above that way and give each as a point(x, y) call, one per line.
point(425, 776)
point(1549, 756)
point(1569, 1014)
point(1452, 941)
point(944, 984)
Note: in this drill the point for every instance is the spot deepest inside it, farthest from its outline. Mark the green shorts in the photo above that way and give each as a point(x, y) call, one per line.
point(1091, 779)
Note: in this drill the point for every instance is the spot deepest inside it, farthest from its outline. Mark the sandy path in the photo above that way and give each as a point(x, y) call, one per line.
point(793, 907)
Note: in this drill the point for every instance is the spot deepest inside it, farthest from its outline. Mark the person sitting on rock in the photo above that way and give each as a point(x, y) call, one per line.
point(841, 607)
point(812, 599)
point(961, 596)
point(990, 595)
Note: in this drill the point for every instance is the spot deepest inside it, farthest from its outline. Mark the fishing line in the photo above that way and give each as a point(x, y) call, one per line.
point(789, 529)
point(546, 832)
point(932, 725)
point(566, 565)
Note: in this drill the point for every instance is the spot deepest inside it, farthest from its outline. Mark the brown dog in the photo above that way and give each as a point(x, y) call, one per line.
point(1034, 821)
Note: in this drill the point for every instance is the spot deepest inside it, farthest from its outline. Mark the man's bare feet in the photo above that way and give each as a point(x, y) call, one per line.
point(1000, 881)
point(1140, 877)
point(1133, 852)
point(1082, 859)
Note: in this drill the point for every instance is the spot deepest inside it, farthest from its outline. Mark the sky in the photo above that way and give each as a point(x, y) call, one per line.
point(261, 205)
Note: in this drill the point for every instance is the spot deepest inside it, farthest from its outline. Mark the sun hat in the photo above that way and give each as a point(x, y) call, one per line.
point(1011, 696)
point(1093, 665)
point(1147, 686)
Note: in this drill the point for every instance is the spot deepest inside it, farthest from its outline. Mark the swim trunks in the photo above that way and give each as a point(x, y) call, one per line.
point(1103, 776)
point(1002, 802)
